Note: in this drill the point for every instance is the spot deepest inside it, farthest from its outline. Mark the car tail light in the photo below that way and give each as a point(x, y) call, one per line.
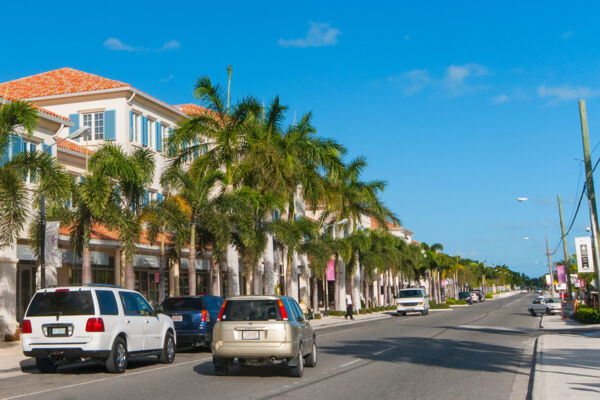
point(282, 310)
point(94, 325)
point(26, 326)
point(61, 290)
point(205, 317)
point(221, 312)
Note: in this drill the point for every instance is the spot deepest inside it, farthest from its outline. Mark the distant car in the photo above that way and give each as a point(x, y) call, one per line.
point(480, 295)
point(544, 305)
point(412, 300)
point(98, 323)
point(263, 330)
point(466, 296)
point(194, 318)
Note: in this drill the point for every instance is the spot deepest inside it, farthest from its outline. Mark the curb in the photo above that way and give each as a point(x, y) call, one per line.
point(536, 386)
point(440, 309)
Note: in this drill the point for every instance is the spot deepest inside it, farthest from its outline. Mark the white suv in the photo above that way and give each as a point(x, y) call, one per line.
point(412, 300)
point(96, 322)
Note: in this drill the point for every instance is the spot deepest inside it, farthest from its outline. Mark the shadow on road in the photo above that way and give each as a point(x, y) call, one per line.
point(237, 370)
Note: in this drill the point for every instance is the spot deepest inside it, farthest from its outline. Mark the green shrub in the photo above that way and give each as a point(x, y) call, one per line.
point(587, 315)
point(450, 302)
point(317, 315)
point(369, 311)
point(461, 301)
point(362, 311)
point(489, 296)
point(437, 306)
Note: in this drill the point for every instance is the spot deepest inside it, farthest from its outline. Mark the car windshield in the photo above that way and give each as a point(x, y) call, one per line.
point(251, 310)
point(551, 300)
point(182, 304)
point(410, 293)
point(61, 303)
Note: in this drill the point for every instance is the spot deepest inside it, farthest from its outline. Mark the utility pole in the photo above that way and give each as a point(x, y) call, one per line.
point(43, 241)
point(564, 241)
point(228, 85)
point(589, 179)
point(548, 253)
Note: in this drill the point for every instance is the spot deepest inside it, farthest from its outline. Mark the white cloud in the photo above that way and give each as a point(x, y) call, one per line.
point(116, 44)
point(501, 98)
point(171, 45)
point(456, 78)
point(319, 34)
point(567, 35)
point(166, 78)
point(413, 81)
point(565, 92)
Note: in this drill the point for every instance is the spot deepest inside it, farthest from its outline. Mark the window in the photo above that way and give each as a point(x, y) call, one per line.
point(107, 302)
point(151, 134)
point(96, 123)
point(165, 136)
point(137, 136)
point(251, 310)
point(31, 147)
point(129, 303)
point(142, 304)
point(46, 304)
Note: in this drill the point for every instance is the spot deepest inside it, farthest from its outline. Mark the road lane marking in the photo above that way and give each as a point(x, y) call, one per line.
point(383, 351)
point(103, 379)
point(350, 363)
point(489, 328)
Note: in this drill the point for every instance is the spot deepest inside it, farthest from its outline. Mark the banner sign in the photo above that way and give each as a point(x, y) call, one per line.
point(331, 270)
point(548, 280)
point(585, 259)
point(562, 275)
point(52, 253)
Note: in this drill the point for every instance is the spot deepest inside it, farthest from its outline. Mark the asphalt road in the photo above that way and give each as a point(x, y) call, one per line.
point(475, 352)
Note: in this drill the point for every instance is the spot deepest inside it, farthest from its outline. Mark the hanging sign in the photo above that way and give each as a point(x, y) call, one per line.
point(562, 276)
point(331, 270)
point(585, 259)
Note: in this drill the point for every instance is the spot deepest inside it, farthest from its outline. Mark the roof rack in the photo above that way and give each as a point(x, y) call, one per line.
point(104, 285)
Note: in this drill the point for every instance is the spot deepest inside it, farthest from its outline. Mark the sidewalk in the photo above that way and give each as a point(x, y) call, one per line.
point(12, 358)
point(329, 321)
point(567, 363)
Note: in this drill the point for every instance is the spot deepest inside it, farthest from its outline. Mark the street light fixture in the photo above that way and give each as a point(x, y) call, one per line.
point(74, 135)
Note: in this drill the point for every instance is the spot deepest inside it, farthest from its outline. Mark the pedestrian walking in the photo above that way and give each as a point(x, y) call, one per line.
point(348, 306)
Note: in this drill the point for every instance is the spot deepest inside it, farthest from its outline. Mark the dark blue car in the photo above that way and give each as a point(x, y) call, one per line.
point(194, 318)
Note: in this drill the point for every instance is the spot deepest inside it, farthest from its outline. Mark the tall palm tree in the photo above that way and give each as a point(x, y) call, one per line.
point(162, 218)
point(131, 175)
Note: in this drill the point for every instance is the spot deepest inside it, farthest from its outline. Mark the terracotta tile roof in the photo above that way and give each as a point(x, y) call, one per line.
point(192, 109)
point(58, 81)
point(375, 224)
point(101, 232)
point(74, 146)
point(40, 109)
point(414, 242)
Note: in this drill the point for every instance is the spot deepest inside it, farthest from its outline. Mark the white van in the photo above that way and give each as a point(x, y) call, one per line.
point(412, 300)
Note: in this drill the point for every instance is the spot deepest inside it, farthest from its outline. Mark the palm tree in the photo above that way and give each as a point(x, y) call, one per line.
point(130, 175)
point(162, 218)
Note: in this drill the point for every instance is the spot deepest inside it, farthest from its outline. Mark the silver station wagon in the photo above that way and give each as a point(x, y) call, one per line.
point(263, 330)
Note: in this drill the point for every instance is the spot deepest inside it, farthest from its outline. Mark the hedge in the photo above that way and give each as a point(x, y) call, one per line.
point(436, 306)
point(587, 315)
point(489, 296)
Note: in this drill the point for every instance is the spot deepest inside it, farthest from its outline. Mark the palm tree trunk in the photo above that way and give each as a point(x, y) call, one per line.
point(269, 269)
point(192, 261)
point(378, 291)
point(257, 280)
point(233, 271)
point(385, 287)
point(161, 272)
point(340, 295)
point(249, 281)
point(295, 290)
point(86, 266)
point(215, 281)
point(129, 275)
point(315, 294)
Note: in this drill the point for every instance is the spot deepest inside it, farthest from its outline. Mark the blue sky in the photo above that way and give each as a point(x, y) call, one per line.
point(461, 107)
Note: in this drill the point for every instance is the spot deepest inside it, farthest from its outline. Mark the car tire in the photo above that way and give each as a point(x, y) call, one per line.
point(167, 354)
point(533, 313)
point(403, 313)
point(298, 370)
point(44, 364)
point(222, 366)
point(311, 360)
point(116, 363)
point(423, 313)
point(548, 311)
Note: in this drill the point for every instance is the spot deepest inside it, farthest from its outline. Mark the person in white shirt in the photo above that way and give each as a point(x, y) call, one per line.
point(348, 306)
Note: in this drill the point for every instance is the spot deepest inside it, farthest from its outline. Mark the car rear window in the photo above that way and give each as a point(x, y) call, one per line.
point(61, 303)
point(251, 310)
point(183, 304)
point(410, 293)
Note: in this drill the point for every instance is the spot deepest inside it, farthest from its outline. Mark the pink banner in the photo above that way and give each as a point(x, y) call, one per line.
point(562, 276)
point(331, 270)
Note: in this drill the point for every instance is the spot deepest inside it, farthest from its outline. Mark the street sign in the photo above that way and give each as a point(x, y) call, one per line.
point(562, 276)
point(585, 260)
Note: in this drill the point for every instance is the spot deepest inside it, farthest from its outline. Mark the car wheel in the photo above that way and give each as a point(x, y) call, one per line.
point(548, 311)
point(117, 360)
point(403, 313)
point(532, 312)
point(298, 369)
point(311, 360)
point(44, 364)
point(423, 312)
point(222, 366)
point(167, 355)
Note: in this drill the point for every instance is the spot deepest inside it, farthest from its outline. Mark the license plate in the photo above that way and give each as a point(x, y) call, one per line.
point(250, 335)
point(59, 331)
point(177, 318)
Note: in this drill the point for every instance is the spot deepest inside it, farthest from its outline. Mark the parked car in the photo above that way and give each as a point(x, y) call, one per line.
point(466, 296)
point(412, 300)
point(194, 318)
point(263, 330)
point(547, 305)
point(479, 293)
point(94, 322)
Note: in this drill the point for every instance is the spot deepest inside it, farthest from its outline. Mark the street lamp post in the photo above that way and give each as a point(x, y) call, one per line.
point(77, 133)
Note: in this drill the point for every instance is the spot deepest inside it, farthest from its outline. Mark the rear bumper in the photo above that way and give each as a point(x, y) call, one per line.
point(417, 308)
point(278, 350)
point(194, 339)
point(67, 353)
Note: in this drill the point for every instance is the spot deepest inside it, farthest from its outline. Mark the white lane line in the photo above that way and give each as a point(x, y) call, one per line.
point(103, 379)
point(383, 351)
point(350, 363)
point(336, 333)
point(490, 328)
